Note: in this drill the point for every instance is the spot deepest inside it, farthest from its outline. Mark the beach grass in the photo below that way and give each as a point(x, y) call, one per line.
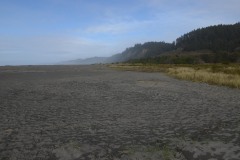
point(217, 74)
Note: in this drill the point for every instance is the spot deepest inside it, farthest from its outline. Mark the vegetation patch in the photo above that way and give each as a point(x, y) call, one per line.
point(152, 152)
point(217, 74)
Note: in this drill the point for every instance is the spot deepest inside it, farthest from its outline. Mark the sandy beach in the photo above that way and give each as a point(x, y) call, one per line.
point(94, 112)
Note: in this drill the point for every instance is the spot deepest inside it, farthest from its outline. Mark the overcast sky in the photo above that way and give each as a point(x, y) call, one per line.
point(50, 31)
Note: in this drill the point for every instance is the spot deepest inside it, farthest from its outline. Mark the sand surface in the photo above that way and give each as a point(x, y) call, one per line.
point(94, 112)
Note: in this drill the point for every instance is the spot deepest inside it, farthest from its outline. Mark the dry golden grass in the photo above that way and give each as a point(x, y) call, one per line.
point(206, 76)
point(218, 74)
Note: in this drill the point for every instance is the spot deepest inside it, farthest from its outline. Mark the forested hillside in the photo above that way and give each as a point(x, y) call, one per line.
point(214, 38)
point(214, 44)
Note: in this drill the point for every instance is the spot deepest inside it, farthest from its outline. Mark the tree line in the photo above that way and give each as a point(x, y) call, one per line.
point(214, 38)
point(221, 41)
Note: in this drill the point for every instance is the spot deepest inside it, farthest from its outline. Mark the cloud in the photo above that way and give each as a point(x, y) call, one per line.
point(155, 3)
point(118, 27)
point(109, 28)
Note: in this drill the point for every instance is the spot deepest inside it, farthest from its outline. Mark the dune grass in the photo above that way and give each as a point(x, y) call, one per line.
point(217, 74)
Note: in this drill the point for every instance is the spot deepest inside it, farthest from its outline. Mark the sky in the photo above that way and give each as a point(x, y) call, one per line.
point(51, 31)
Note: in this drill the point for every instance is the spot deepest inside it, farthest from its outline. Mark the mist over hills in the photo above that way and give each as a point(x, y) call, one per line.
point(213, 44)
point(92, 60)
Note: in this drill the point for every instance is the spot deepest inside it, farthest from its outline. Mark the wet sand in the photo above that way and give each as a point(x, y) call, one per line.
point(94, 112)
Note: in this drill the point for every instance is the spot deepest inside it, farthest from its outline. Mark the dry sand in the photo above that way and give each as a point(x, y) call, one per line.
point(93, 112)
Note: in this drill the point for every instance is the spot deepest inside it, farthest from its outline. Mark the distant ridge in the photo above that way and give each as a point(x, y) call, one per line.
point(93, 60)
point(211, 44)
